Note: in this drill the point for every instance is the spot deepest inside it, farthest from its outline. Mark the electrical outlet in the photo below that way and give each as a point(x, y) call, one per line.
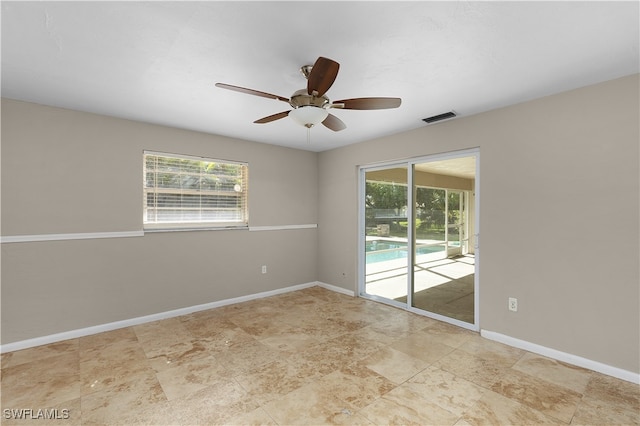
point(264, 269)
point(513, 304)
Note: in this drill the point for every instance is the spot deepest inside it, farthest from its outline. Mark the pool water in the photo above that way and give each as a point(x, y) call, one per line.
point(382, 250)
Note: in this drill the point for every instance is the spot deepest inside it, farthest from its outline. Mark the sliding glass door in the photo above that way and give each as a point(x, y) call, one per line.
point(418, 243)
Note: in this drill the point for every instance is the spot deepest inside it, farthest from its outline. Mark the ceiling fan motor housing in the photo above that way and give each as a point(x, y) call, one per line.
point(301, 99)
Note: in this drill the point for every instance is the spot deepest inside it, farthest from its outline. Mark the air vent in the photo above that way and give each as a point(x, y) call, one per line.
point(439, 117)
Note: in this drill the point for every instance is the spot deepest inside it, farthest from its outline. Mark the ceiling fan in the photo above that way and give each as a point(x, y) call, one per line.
point(311, 105)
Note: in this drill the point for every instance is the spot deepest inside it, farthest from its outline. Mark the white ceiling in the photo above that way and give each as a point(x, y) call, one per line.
point(158, 61)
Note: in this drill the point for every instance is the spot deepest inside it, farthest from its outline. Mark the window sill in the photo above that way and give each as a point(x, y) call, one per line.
point(188, 229)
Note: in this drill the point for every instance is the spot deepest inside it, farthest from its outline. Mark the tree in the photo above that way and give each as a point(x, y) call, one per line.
point(381, 195)
point(430, 207)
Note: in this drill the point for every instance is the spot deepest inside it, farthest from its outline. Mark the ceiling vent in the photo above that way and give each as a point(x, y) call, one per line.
point(439, 117)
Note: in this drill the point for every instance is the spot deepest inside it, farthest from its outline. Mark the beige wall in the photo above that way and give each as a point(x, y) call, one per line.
point(71, 172)
point(559, 208)
point(559, 195)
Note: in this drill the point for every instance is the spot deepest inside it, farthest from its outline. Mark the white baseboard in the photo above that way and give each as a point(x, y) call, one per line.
point(609, 370)
point(73, 334)
point(491, 335)
point(336, 289)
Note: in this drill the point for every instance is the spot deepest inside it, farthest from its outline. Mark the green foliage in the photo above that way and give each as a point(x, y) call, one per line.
point(405, 223)
point(385, 195)
point(430, 206)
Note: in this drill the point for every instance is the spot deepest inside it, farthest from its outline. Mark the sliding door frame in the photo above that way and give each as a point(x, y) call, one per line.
point(410, 163)
point(362, 258)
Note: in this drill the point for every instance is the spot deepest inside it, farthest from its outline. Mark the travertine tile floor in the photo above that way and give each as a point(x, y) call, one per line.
point(308, 357)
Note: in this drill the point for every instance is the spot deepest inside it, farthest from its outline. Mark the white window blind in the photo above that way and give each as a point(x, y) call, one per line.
point(193, 192)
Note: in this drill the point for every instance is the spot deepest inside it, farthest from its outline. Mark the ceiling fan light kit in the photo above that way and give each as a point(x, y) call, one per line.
point(308, 116)
point(310, 105)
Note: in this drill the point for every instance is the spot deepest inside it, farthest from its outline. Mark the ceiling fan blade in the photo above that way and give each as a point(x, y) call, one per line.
point(273, 117)
point(334, 123)
point(369, 103)
point(251, 91)
point(322, 76)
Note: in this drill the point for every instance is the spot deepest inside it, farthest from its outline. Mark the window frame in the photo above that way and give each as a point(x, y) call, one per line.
point(193, 225)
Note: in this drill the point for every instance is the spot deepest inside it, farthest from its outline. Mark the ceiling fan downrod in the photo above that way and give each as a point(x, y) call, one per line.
point(305, 70)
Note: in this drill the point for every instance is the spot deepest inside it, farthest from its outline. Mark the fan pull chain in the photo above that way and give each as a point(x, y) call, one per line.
point(309, 135)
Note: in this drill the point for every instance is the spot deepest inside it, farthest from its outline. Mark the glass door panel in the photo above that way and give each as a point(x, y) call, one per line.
point(386, 234)
point(443, 278)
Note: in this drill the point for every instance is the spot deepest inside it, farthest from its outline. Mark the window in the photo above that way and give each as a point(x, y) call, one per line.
point(191, 192)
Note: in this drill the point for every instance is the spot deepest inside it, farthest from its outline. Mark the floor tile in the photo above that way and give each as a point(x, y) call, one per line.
point(403, 406)
point(257, 417)
point(109, 365)
point(223, 339)
point(213, 405)
point(319, 327)
point(447, 334)
point(445, 389)
point(553, 371)
point(370, 333)
point(198, 349)
point(474, 369)
point(396, 366)
point(168, 337)
point(11, 359)
point(207, 323)
point(246, 356)
point(334, 354)
point(399, 325)
point(312, 404)
point(553, 400)
point(116, 405)
point(418, 346)
point(260, 327)
point(310, 357)
point(274, 380)
point(294, 339)
point(357, 385)
point(108, 338)
point(353, 347)
point(499, 354)
point(593, 411)
point(495, 409)
point(613, 391)
point(187, 378)
point(42, 383)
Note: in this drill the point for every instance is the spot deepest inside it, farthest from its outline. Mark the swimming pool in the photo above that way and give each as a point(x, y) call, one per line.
point(383, 250)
